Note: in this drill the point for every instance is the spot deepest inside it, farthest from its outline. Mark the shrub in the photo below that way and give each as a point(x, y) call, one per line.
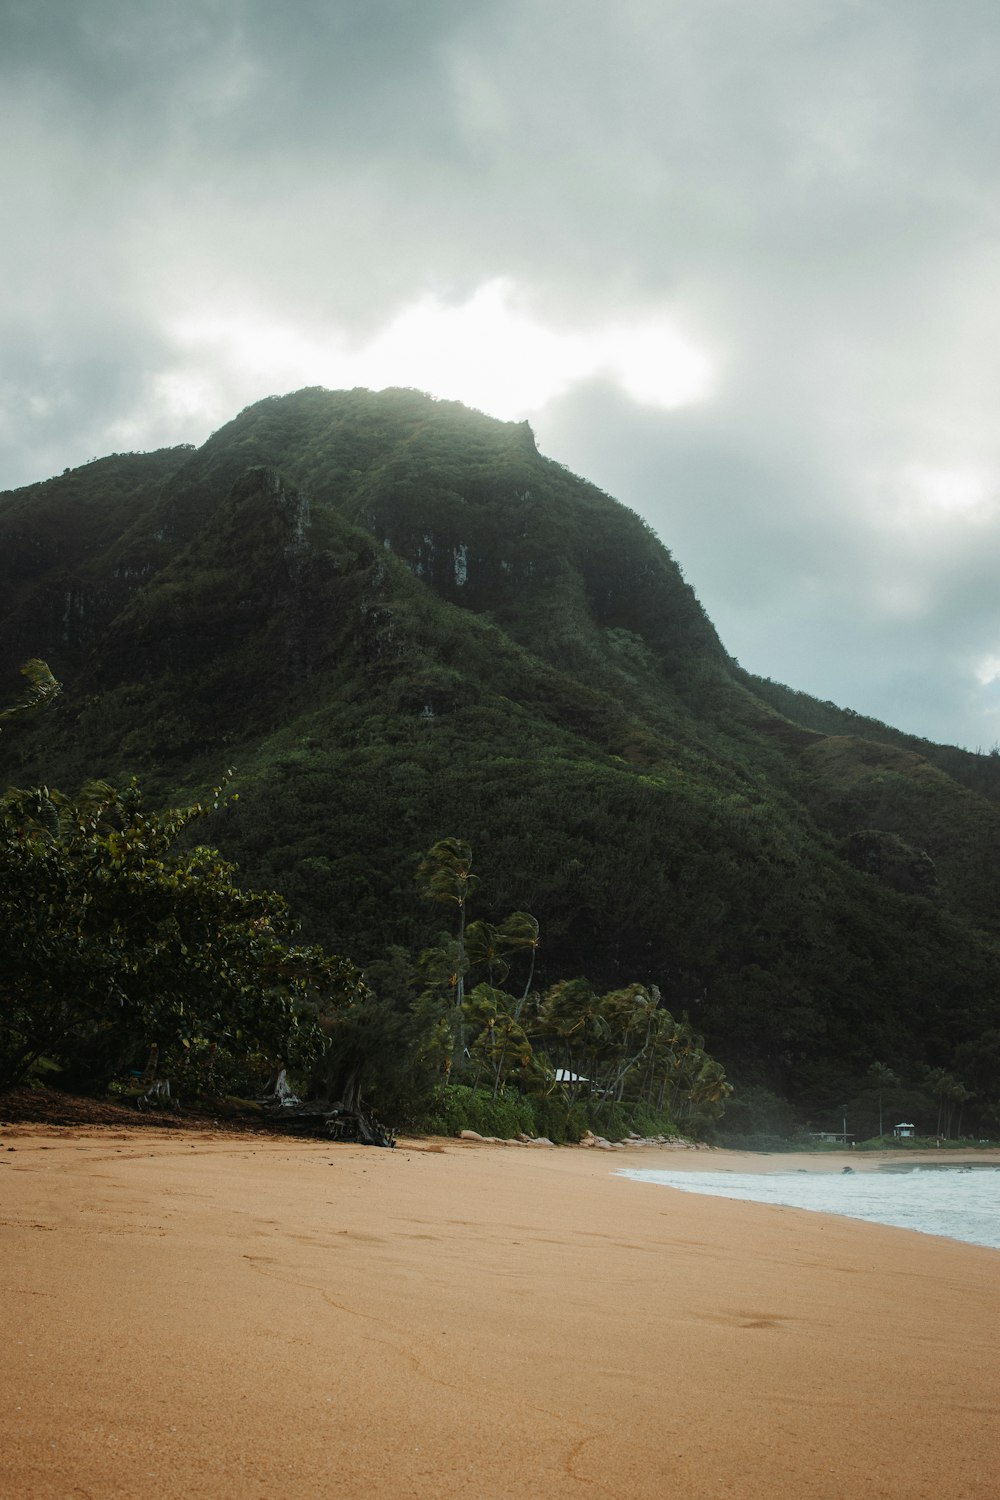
point(619, 1120)
point(557, 1120)
point(455, 1107)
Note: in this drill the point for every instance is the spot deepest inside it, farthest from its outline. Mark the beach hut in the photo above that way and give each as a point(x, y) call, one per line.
point(904, 1129)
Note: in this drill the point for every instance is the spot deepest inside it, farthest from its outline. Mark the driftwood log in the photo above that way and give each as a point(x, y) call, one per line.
point(320, 1117)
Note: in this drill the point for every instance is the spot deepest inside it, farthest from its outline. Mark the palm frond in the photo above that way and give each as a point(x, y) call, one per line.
point(42, 688)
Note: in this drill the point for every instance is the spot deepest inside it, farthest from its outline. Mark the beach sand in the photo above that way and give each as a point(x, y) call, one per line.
point(208, 1315)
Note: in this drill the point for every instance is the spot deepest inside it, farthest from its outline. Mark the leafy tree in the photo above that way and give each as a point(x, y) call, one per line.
point(388, 1053)
point(114, 936)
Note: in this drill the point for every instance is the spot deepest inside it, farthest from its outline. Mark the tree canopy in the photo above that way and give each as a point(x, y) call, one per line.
point(115, 934)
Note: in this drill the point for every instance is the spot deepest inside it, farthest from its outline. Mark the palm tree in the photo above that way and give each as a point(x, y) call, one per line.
point(446, 875)
point(710, 1089)
point(567, 1012)
point(942, 1085)
point(500, 1035)
point(42, 688)
point(630, 1018)
point(519, 932)
point(883, 1078)
point(961, 1096)
point(484, 948)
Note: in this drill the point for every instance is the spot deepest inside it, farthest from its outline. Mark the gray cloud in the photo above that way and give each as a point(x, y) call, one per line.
point(809, 189)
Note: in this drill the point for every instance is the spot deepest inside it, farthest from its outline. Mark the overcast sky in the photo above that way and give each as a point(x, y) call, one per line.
point(737, 262)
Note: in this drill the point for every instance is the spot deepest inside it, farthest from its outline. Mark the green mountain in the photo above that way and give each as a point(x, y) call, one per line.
point(398, 622)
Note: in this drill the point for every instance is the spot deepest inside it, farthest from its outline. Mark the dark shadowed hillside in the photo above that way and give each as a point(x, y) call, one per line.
point(398, 622)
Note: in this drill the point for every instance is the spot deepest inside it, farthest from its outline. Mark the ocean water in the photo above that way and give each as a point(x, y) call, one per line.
point(959, 1201)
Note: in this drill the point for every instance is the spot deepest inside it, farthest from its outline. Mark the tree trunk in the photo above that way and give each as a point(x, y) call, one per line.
point(459, 1056)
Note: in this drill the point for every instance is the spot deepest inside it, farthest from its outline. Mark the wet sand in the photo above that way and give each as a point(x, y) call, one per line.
point(238, 1316)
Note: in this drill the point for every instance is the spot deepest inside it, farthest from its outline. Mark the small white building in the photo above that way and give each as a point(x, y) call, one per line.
point(904, 1129)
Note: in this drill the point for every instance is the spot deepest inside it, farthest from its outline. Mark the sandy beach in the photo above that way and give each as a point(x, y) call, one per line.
point(217, 1315)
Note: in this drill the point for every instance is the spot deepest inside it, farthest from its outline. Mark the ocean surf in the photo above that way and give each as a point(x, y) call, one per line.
point(961, 1202)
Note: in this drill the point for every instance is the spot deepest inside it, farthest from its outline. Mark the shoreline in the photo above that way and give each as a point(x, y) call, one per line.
point(686, 1156)
point(227, 1316)
point(725, 1159)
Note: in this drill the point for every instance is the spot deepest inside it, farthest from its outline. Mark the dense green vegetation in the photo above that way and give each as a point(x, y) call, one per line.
point(113, 940)
point(402, 625)
point(461, 1032)
point(116, 944)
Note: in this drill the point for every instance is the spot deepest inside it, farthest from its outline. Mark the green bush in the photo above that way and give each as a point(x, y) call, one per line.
point(616, 1121)
point(456, 1107)
point(647, 1122)
point(557, 1120)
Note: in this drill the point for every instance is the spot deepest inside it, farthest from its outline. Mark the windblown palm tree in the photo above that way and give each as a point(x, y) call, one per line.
point(42, 688)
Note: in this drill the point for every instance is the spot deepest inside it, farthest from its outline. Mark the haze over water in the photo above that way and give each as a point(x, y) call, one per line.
point(961, 1201)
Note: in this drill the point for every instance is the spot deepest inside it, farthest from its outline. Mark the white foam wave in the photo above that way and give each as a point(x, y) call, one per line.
point(962, 1203)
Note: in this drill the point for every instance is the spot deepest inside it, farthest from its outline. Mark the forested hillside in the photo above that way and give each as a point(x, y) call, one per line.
point(399, 623)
